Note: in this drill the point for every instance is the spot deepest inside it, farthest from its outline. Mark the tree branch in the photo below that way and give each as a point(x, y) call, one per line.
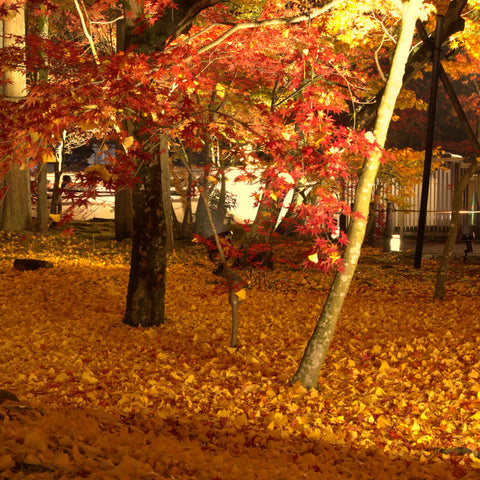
point(261, 23)
point(83, 17)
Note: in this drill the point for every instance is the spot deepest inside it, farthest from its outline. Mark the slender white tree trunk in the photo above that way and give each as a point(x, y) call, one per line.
point(316, 350)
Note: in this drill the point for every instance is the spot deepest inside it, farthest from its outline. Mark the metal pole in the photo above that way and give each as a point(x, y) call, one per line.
point(432, 107)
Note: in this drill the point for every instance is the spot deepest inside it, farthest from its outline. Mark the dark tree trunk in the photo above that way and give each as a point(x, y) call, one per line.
point(56, 203)
point(145, 304)
point(42, 200)
point(123, 214)
point(146, 287)
point(389, 227)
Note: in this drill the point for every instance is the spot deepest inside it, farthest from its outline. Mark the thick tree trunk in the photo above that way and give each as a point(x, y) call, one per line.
point(145, 304)
point(452, 232)
point(316, 350)
point(15, 209)
point(146, 286)
point(123, 214)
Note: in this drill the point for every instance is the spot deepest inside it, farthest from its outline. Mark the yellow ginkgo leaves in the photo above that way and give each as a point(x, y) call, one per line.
point(241, 294)
point(220, 90)
point(101, 172)
point(128, 142)
point(398, 384)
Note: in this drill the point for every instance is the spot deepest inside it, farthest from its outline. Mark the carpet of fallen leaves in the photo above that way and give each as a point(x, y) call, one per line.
point(100, 400)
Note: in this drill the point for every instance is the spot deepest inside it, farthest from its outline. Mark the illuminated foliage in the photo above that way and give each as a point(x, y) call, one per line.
point(111, 402)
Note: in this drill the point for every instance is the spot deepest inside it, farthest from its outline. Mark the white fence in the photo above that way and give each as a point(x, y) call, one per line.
point(439, 205)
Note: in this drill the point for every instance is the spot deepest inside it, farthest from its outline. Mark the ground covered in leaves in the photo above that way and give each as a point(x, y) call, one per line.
point(399, 395)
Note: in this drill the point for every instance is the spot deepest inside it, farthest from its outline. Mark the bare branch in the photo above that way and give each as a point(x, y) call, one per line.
point(108, 22)
point(261, 23)
point(83, 19)
point(377, 61)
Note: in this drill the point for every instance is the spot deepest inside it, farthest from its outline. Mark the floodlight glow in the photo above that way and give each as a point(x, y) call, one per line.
point(395, 243)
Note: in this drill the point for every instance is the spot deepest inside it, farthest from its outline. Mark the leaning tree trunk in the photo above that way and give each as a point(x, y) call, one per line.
point(146, 286)
point(316, 350)
point(452, 232)
point(16, 210)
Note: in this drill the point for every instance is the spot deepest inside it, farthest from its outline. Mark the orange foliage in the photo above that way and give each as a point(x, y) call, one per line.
point(106, 401)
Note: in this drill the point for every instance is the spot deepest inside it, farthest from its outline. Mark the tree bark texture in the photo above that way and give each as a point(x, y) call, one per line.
point(316, 350)
point(123, 214)
point(15, 208)
point(146, 286)
point(145, 305)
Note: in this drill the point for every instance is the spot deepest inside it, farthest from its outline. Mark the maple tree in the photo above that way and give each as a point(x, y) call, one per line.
point(161, 83)
point(399, 396)
point(143, 92)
